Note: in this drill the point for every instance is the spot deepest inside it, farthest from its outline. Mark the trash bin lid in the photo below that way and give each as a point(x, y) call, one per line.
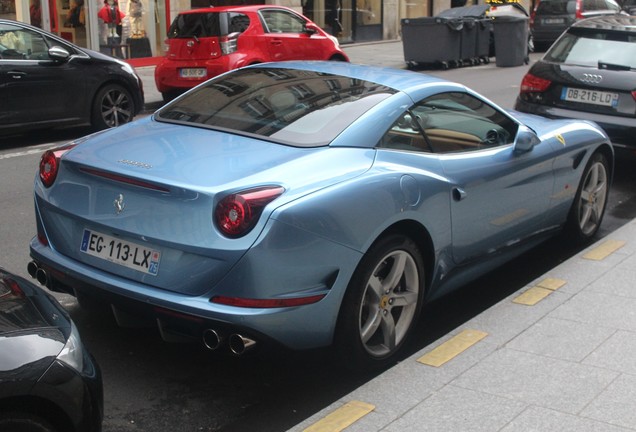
point(474, 11)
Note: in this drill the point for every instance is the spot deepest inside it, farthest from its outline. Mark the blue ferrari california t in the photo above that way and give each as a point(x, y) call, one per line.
point(309, 204)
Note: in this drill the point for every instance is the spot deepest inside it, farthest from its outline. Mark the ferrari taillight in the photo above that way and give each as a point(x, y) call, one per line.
point(236, 214)
point(50, 164)
point(532, 84)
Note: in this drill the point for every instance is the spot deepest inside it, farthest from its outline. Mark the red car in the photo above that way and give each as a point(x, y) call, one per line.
point(203, 43)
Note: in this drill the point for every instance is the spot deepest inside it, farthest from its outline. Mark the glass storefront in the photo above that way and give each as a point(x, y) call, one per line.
point(122, 28)
point(136, 29)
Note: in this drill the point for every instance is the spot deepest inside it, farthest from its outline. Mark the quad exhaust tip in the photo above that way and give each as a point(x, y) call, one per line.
point(38, 273)
point(240, 344)
point(212, 339)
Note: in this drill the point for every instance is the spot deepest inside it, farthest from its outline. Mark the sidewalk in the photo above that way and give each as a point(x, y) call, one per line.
point(559, 355)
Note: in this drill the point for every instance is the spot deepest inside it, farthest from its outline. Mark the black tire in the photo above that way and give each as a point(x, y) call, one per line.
point(380, 308)
point(24, 422)
point(113, 106)
point(169, 96)
point(590, 201)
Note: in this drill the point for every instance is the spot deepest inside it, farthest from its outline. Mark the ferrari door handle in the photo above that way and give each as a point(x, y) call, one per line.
point(458, 194)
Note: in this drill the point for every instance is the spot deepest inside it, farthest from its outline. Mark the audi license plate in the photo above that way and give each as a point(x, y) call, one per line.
point(118, 251)
point(193, 73)
point(589, 96)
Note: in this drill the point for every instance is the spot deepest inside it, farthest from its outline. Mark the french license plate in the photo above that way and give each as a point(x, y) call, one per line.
point(589, 96)
point(125, 253)
point(193, 72)
point(553, 21)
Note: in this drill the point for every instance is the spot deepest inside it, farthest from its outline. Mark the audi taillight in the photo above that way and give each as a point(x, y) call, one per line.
point(533, 84)
point(50, 164)
point(236, 214)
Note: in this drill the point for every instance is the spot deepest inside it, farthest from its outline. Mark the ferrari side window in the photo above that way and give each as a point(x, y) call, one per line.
point(459, 122)
point(405, 134)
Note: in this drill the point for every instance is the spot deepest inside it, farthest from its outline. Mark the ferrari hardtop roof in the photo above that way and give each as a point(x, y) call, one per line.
point(398, 79)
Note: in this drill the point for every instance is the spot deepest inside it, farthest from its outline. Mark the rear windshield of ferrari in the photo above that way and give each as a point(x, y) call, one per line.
point(289, 106)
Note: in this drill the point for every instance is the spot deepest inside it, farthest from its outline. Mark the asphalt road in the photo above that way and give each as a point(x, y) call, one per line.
point(154, 386)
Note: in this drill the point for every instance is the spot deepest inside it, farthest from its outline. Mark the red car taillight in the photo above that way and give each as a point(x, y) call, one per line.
point(229, 43)
point(533, 84)
point(236, 214)
point(50, 164)
point(266, 303)
point(579, 10)
point(533, 13)
point(634, 94)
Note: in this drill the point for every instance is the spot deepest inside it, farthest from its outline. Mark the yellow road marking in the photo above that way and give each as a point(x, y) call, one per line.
point(604, 250)
point(533, 296)
point(452, 348)
point(552, 284)
point(540, 291)
point(342, 418)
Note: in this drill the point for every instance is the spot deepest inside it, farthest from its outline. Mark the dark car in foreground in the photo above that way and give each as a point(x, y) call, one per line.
point(551, 18)
point(46, 81)
point(205, 42)
point(589, 73)
point(48, 381)
point(307, 204)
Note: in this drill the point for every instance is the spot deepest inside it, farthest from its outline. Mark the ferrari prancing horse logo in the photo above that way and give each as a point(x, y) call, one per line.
point(119, 204)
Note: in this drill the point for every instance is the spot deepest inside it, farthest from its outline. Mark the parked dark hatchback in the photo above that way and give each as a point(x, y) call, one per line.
point(48, 381)
point(46, 81)
point(551, 18)
point(589, 73)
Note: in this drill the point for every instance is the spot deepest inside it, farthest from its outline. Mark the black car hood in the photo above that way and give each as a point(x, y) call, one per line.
point(33, 326)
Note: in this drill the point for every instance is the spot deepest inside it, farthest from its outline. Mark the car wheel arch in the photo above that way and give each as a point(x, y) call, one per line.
point(337, 57)
point(422, 238)
point(38, 407)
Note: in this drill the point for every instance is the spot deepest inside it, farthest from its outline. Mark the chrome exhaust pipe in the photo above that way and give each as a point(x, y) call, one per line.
point(42, 277)
point(212, 339)
point(32, 268)
point(239, 344)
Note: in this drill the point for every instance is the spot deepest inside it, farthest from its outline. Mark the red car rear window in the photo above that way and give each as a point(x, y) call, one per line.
point(209, 24)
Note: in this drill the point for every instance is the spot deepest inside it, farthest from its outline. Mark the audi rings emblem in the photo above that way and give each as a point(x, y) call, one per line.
point(591, 78)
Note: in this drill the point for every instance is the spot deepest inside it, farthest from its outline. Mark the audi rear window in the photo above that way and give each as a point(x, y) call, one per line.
point(589, 47)
point(555, 7)
point(293, 107)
